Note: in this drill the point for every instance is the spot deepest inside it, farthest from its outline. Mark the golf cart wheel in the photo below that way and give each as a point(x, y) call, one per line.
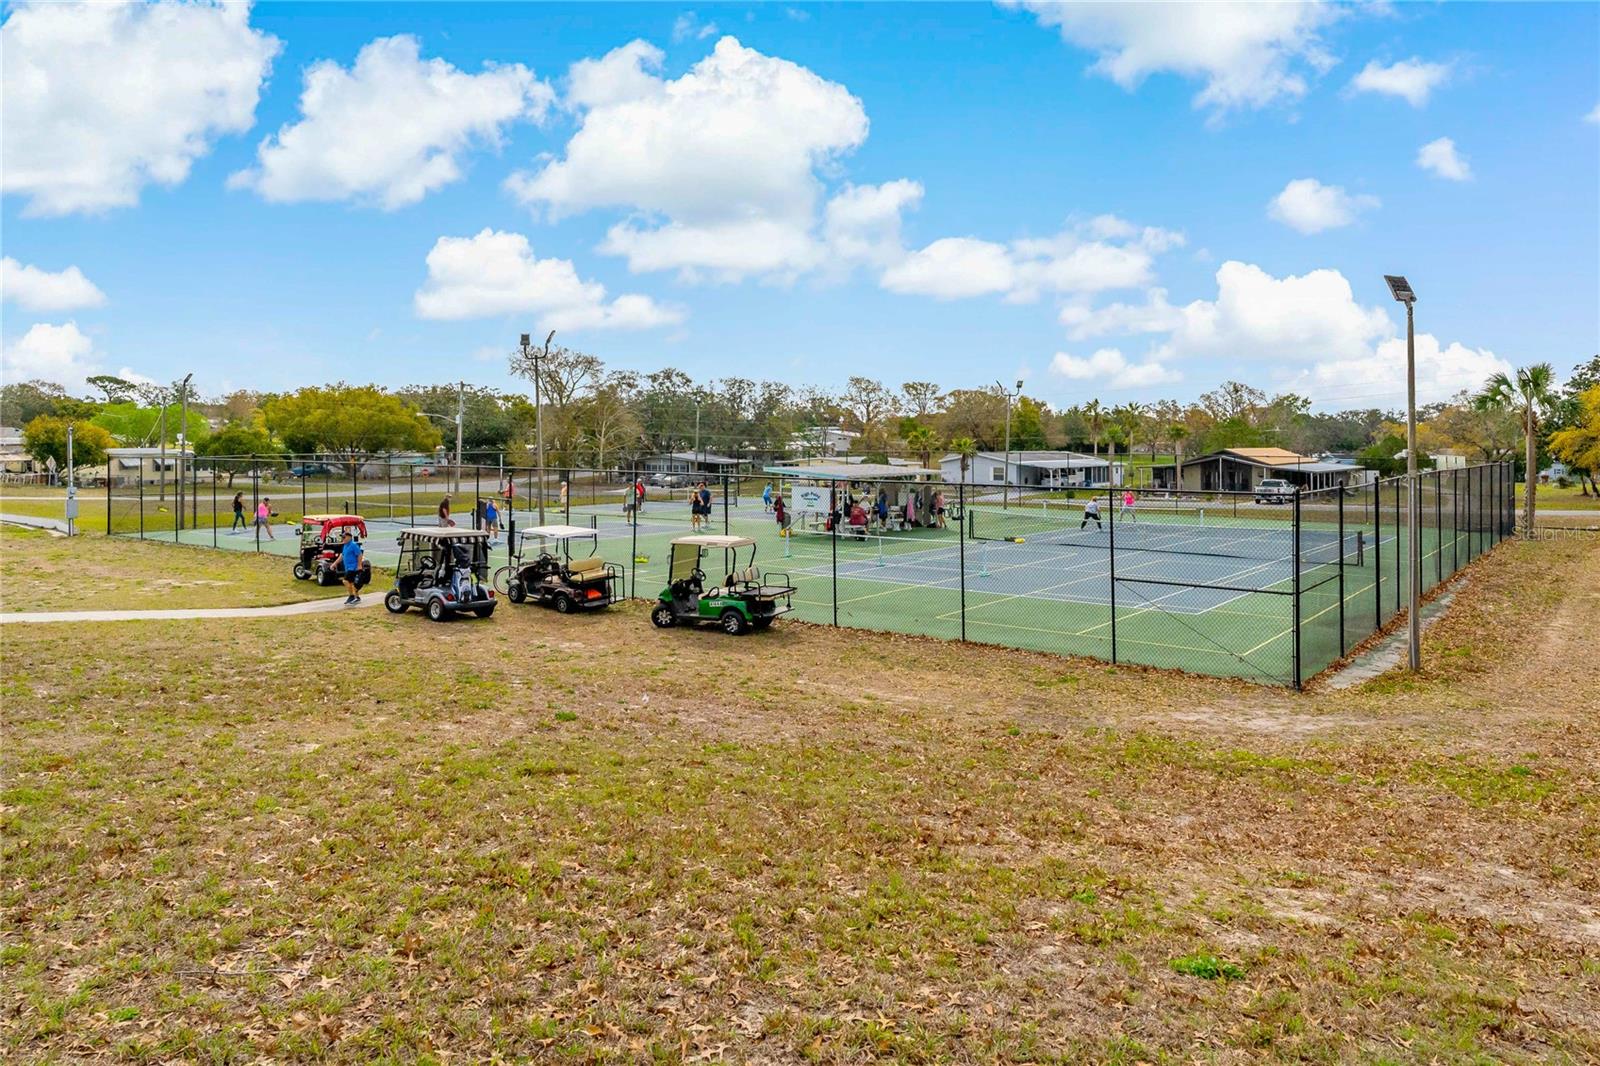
point(484, 611)
point(301, 573)
point(326, 577)
point(394, 603)
point(516, 592)
point(763, 623)
point(733, 623)
point(662, 617)
point(563, 603)
point(504, 582)
point(436, 610)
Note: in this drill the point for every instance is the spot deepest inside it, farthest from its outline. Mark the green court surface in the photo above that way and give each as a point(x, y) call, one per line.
point(1209, 590)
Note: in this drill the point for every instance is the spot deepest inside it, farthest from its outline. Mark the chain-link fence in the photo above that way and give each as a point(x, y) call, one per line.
point(1264, 587)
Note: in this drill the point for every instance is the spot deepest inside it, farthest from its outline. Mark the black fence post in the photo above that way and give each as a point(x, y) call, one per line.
point(477, 495)
point(1111, 524)
point(255, 499)
point(632, 498)
point(411, 495)
point(141, 498)
point(1438, 528)
point(725, 489)
point(213, 506)
point(109, 478)
point(304, 475)
point(833, 540)
point(1295, 533)
point(1400, 552)
point(1342, 651)
point(961, 523)
point(1377, 553)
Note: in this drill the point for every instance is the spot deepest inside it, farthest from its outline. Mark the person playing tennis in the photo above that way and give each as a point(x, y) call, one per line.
point(1127, 511)
point(1091, 510)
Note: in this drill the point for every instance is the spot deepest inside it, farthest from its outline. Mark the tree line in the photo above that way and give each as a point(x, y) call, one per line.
point(594, 416)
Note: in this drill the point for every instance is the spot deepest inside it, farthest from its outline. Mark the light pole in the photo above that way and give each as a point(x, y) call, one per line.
point(461, 409)
point(538, 409)
point(72, 488)
point(1005, 498)
point(456, 488)
point(1402, 291)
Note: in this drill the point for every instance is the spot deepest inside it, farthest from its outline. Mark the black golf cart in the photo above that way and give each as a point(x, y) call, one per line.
point(742, 601)
point(550, 574)
point(444, 571)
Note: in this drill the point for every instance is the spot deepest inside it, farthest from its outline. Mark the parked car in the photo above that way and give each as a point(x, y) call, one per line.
point(311, 470)
point(1274, 490)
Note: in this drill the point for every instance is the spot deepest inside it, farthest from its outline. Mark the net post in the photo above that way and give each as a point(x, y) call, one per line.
point(1111, 524)
point(1298, 680)
point(1342, 650)
point(961, 495)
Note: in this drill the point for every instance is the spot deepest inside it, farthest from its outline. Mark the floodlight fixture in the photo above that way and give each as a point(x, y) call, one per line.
point(1401, 288)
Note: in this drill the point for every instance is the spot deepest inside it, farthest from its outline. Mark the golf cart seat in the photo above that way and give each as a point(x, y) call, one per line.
point(590, 569)
point(745, 580)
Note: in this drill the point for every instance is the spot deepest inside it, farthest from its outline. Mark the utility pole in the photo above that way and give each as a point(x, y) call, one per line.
point(1402, 291)
point(461, 407)
point(1005, 500)
point(538, 408)
point(72, 488)
point(163, 463)
point(183, 442)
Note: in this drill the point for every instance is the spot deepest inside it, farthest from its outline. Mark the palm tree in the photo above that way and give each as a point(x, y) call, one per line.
point(966, 448)
point(1178, 433)
point(922, 441)
point(1115, 435)
point(1096, 417)
point(1531, 395)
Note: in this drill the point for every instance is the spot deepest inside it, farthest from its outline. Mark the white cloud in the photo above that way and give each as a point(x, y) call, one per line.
point(954, 267)
point(1441, 158)
point(1593, 116)
point(1309, 206)
point(1086, 322)
point(1410, 79)
point(392, 128)
point(727, 152)
point(39, 290)
point(620, 75)
point(63, 354)
point(496, 273)
point(1072, 261)
point(1108, 368)
point(102, 99)
point(1313, 333)
point(1259, 317)
point(688, 26)
point(861, 223)
point(1248, 54)
point(1441, 372)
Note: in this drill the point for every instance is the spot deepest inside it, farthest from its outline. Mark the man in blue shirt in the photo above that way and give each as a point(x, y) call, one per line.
point(350, 560)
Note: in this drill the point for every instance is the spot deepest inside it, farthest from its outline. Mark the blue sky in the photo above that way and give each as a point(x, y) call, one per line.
point(1130, 203)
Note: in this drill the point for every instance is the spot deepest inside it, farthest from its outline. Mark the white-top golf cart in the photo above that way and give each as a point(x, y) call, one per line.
point(547, 572)
point(443, 570)
point(741, 601)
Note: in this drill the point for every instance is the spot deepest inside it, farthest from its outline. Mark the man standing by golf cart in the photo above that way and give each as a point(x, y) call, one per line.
point(350, 560)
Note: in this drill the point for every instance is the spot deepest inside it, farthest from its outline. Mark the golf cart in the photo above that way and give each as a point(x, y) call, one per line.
point(321, 536)
point(553, 576)
point(741, 602)
point(442, 570)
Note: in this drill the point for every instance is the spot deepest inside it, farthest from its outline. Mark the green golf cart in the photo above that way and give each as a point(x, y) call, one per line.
point(742, 601)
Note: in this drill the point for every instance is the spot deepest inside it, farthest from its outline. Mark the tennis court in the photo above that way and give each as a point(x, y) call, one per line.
point(1214, 585)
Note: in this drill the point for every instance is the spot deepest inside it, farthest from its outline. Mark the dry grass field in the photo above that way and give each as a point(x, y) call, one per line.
point(359, 838)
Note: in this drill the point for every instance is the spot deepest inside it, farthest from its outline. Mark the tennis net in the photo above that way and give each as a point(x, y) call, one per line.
point(1183, 533)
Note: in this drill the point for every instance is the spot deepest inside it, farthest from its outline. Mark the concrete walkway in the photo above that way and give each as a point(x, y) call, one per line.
point(55, 525)
point(330, 605)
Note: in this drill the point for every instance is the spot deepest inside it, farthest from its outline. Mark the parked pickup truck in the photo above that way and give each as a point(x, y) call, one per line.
point(1274, 490)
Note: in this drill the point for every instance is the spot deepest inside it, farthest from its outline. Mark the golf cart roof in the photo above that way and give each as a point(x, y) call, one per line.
point(332, 518)
point(557, 532)
point(445, 533)
point(715, 540)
